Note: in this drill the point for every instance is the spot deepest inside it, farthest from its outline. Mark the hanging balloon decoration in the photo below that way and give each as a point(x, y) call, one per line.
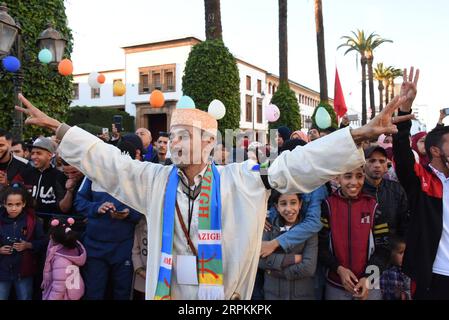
point(157, 99)
point(185, 103)
point(11, 64)
point(101, 78)
point(65, 67)
point(93, 80)
point(217, 109)
point(272, 113)
point(45, 56)
point(322, 118)
point(119, 88)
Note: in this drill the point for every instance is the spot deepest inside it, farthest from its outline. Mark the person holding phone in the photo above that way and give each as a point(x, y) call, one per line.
point(108, 238)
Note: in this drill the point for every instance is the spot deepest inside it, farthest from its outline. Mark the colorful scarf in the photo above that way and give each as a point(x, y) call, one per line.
point(209, 260)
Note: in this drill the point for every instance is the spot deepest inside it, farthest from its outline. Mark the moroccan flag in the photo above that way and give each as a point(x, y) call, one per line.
point(339, 99)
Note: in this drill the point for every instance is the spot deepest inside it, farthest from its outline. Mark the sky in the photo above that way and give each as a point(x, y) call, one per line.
point(419, 30)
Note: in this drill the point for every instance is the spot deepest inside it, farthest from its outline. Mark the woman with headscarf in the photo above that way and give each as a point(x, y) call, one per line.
point(418, 146)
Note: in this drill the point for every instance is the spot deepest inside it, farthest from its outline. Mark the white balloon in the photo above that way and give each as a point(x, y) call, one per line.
point(93, 80)
point(217, 109)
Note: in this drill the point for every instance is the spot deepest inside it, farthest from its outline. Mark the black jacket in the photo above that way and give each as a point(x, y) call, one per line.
point(425, 193)
point(15, 169)
point(47, 188)
point(393, 204)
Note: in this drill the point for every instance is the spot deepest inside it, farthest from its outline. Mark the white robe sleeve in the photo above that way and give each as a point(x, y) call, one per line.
point(306, 168)
point(128, 180)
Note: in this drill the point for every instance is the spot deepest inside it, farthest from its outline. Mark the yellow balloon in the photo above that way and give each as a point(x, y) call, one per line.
point(119, 88)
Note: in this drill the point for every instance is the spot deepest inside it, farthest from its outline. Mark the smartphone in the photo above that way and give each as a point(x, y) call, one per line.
point(446, 111)
point(105, 131)
point(353, 117)
point(118, 121)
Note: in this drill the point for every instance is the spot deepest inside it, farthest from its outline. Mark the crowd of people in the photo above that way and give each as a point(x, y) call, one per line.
point(352, 214)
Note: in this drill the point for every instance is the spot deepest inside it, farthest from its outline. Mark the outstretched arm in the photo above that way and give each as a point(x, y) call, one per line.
point(306, 168)
point(116, 173)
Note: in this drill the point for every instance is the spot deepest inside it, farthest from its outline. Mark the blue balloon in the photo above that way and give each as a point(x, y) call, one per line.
point(45, 56)
point(11, 64)
point(185, 103)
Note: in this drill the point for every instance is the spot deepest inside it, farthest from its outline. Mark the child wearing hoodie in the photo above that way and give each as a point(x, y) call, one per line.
point(65, 255)
point(21, 238)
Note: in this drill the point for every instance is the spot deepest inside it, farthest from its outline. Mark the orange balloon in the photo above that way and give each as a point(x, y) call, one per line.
point(101, 78)
point(65, 67)
point(157, 99)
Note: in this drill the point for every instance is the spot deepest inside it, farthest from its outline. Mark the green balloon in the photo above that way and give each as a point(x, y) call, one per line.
point(322, 118)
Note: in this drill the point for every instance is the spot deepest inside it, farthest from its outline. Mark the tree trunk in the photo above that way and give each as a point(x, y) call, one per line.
point(381, 97)
point(364, 115)
point(321, 50)
point(213, 20)
point(387, 92)
point(392, 89)
point(283, 41)
point(371, 87)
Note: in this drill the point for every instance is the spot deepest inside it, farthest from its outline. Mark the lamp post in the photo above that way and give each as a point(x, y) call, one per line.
point(11, 42)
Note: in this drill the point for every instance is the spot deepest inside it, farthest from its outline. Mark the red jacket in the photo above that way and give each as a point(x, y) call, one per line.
point(354, 235)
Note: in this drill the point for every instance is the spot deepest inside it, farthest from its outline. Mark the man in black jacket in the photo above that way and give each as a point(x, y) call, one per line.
point(426, 258)
point(390, 195)
point(11, 167)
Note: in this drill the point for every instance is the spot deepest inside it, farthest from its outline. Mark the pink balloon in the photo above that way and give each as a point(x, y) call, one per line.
point(272, 113)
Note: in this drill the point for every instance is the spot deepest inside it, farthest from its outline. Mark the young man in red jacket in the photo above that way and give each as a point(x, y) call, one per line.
point(426, 258)
point(354, 240)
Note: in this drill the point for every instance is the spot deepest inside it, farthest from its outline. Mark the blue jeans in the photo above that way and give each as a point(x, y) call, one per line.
point(23, 288)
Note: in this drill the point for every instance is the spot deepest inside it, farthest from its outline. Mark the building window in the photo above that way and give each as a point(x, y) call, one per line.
point(259, 111)
point(144, 84)
point(95, 93)
point(269, 88)
point(113, 82)
point(76, 91)
point(157, 77)
point(259, 86)
point(249, 109)
point(248, 83)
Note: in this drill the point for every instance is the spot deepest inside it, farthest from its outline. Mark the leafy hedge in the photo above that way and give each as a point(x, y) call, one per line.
point(211, 73)
point(330, 110)
point(285, 99)
point(42, 85)
point(96, 118)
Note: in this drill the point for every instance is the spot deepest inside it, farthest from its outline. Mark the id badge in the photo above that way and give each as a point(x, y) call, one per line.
point(186, 271)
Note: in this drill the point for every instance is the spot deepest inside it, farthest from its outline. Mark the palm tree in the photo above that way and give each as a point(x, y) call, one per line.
point(380, 74)
point(396, 73)
point(390, 74)
point(365, 47)
point(213, 20)
point(283, 42)
point(373, 41)
point(321, 51)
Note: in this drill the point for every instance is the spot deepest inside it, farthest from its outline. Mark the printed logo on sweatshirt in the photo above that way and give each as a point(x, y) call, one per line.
point(365, 218)
point(47, 196)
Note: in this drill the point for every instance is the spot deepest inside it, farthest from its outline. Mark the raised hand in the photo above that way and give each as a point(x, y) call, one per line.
point(383, 123)
point(409, 88)
point(37, 117)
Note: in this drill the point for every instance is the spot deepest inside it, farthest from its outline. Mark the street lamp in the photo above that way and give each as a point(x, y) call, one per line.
point(8, 30)
point(11, 42)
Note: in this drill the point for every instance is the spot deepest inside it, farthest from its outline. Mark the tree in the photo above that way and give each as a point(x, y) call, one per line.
point(211, 73)
point(48, 90)
point(321, 51)
point(284, 98)
point(365, 47)
point(212, 19)
point(380, 74)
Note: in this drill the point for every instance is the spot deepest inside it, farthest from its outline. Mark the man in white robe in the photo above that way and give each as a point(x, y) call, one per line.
point(141, 185)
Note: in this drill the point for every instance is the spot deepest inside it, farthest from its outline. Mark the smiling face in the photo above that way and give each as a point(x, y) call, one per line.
point(288, 207)
point(352, 182)
point(41, 158)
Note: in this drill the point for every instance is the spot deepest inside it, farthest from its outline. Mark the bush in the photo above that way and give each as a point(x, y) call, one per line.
point(330, 110)
point(98, 117)
point(211, 73)
point(285, 99)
